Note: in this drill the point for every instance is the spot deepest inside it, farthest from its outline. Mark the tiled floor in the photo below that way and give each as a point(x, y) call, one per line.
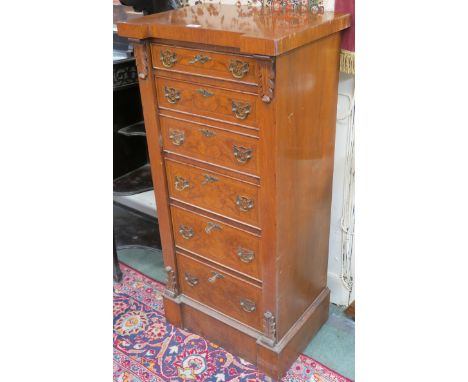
point(333, 345)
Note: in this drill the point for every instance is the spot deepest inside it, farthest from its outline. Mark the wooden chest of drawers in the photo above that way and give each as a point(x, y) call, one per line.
point(240, 106)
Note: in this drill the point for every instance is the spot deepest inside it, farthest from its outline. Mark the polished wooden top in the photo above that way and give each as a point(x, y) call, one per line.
point(252, 30)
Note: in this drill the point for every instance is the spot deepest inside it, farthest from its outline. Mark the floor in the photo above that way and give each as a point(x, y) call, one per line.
point(333, 345)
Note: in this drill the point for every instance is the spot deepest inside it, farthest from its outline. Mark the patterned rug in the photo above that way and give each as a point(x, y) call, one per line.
point(147, 349)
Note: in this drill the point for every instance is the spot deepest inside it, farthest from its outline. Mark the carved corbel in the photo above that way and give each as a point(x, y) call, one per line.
point(266, 78)
point(269, 329)
point(171, 284)
point(141, 55)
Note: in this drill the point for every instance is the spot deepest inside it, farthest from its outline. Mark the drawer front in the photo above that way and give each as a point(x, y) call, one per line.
point(211, 145)
point(220, 291)
point(192, 61)
point(214, 192)
point(207, 101)
point(216, 241)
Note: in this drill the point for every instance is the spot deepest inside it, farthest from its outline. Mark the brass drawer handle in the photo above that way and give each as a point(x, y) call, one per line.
point(245, 204)
point(209, 179)
point(168, 58)
point(191, 279)
point(181, 183)
point(205, 93)
point(177, 137)
point(242, 154)
point(172, 95)
point(240, 109)
point(238, 68)
point(215, 276)
point(212, 227)
point(247, 305)
point(186, 231)
point(207, 133)
point(245, 255)
point(199, 58)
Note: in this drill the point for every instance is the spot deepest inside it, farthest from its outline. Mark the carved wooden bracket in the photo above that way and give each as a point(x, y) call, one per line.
point(171, 284)
point(266, 78)
point(141, 55)
point(269, 329)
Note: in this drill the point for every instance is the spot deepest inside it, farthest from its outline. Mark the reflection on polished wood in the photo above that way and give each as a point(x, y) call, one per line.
point(240, 108)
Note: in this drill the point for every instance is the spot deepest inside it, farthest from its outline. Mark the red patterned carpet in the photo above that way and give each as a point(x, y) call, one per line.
point(148, 349)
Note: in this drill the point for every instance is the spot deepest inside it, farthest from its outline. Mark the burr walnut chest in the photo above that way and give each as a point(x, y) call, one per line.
point(240, 107)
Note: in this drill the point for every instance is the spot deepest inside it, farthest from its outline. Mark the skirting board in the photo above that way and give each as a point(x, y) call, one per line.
point(339, 294)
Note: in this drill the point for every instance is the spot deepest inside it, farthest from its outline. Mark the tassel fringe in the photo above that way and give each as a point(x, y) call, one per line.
point(347, 61)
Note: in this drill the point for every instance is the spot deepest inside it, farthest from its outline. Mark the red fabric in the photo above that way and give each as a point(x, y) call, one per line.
point(347, 6)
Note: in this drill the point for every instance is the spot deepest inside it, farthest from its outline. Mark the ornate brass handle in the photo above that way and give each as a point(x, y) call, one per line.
point(205, 93)
point(172, 95)
point(245, 255)
point(177, 137)
point(168, 58)
point(199, 58)
point(209, 179)
point(247, 305)
point(215, 276)
point(238, 68)
point(242, 154)
point(211, 227)
point(191, 279)
point(207, 133)
point(245, 204)
point(181, 183)
point(240, 109)
point(186, 231)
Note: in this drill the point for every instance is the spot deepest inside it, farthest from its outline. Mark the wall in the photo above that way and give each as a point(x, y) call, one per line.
point(339, 293)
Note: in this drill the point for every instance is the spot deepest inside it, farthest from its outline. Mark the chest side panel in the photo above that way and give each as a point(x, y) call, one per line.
point(307, 83)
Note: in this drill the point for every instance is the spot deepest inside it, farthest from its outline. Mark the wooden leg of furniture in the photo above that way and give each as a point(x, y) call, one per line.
point(117, 271)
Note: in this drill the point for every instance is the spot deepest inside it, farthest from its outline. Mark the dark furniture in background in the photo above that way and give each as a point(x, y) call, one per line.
point(131, 168)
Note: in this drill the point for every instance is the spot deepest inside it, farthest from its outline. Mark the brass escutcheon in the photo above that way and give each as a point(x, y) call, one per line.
point(168, 58)
point(240, 109)
point(205, 93)
point(215, 276)
point(209, 179)
point(242, 154)
point(172, 95)
point(177, 137)
point(238, 68)
point(207, 133)
point(199, 58)
point(212, 227)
